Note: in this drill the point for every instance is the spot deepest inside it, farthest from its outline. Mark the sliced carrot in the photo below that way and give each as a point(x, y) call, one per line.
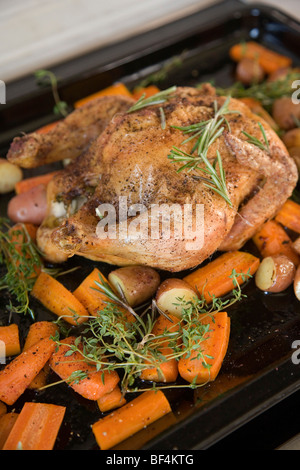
point(116, 89)
point(94, 384)
point(204, 362)
point(9, 335)
point(269, 60)
point(7, 422)
point(3, 408)
point(47, 128)
point(36, 427)
point(214, 278)
point(91, 297)
point(58, 299)
point(272, 239)
point(168, 370)
point(130, 418)
point(19, 373)
point(289, 215)
point(146, 91)
point(28, 183)
point(111, 400)
point(38, 331)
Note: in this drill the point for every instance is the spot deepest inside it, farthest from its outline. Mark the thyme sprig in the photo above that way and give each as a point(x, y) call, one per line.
point(21, 260)
point(159, 98)
point(49, 78)
point(111, 342)
point(205, 134)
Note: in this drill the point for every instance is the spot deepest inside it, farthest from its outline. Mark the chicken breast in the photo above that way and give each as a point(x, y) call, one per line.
point(129, 167)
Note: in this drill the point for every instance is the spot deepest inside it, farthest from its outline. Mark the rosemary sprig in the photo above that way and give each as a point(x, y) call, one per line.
point(159, 98)
point(205, 133)
point(48, 77)
point(255, 141)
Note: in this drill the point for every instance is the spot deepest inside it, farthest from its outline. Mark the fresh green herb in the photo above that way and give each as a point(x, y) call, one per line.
point(162, 73)
point(254, 141)
point(158, 98)
point(265, 92)
point(47, 77)
point(112, 343)
point(21, 259)
point(205, 133)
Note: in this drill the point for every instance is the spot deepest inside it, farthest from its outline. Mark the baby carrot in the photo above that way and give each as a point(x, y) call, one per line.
point(19, 373)
point(93, 384)
point(36, 427)
point(9, 335)
point(204, 362)
point(7, 422)
point(111, 400)
point(130, 418)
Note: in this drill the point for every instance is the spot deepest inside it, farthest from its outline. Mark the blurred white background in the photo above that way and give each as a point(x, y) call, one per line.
point(39, 33)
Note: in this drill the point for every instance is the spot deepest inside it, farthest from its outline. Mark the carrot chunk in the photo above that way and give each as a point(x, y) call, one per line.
point(38, 331)
point(271, 239)
point(111, 400)
point(28, 183)
point(91, 296)
point(130, 418)
point(19, 373)
point(36, 427)
point(168, 370)
point(204, 363)
point(7, 422)
point(58, 299)
point(289, 216)
point(94, 384)
point(9, 335)
point(3, 408)
point(214, 278)
point(116, 89)
point(269, 60)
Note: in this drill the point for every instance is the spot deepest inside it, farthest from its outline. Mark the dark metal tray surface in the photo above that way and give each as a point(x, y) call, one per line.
point(258, 372)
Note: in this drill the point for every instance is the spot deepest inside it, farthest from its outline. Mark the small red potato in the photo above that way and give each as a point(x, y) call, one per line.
point(249, 71)
point(169, 294)
point(137, 283)
point(285, 113)
point(275, 273)
point(29, 207)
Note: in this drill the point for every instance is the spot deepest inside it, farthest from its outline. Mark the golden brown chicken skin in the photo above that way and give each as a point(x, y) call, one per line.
point(129, 160)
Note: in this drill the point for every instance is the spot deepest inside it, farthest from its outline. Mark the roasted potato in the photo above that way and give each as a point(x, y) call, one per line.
point(169, 294)
point(285, 113)
point(275, 273)
point(137, 283)
point(292, 138)
point(9, 175)
point(248, 71)
point(29, 207)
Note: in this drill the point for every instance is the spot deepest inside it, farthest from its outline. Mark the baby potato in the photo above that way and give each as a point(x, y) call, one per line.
point(169, 293)
point(138, 283)
point(292, 138)
point(9, 175)
point(249, 71)
point(296, 245)
point(275, 273)
point(297, 283)
point(29, 207)
point(284, 112)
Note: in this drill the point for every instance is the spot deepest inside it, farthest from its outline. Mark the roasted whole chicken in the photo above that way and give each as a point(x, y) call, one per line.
point(122, 155)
